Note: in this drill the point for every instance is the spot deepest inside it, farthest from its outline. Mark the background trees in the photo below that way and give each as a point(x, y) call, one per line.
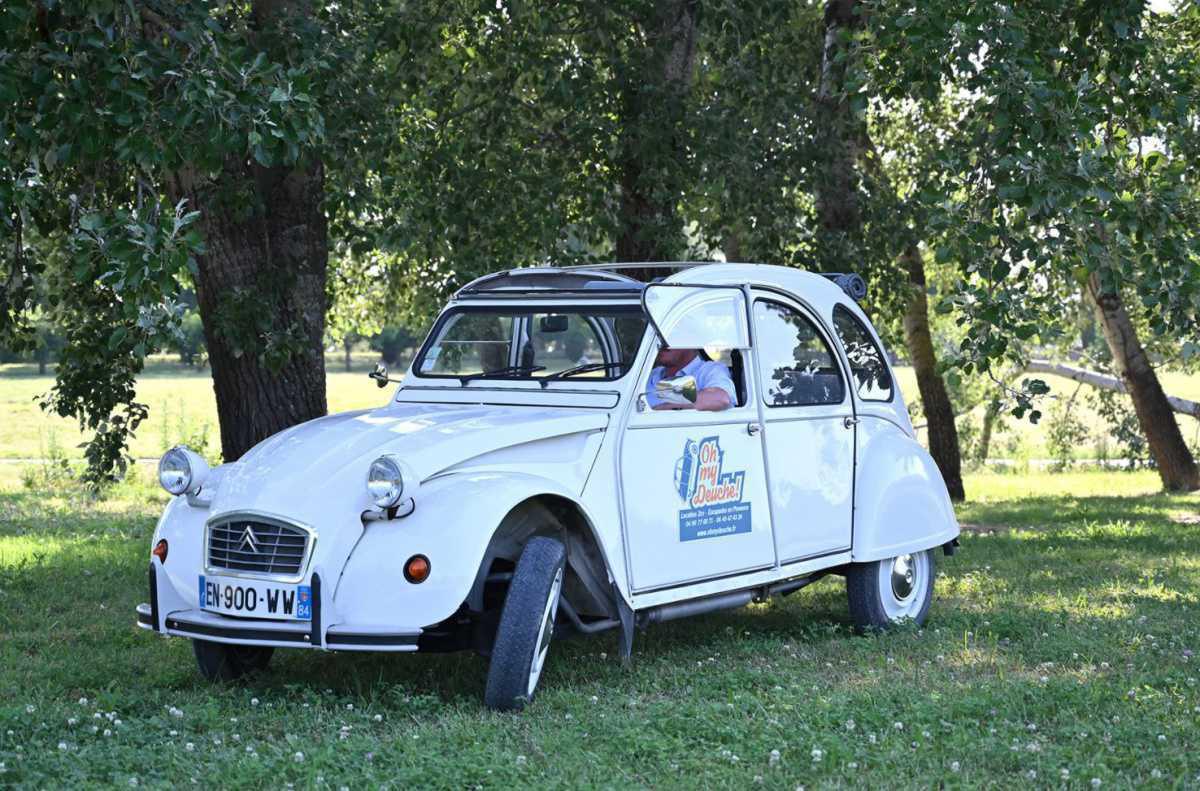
point(985, 163)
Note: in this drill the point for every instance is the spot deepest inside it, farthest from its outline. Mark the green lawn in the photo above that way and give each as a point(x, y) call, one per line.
point(1058, 649)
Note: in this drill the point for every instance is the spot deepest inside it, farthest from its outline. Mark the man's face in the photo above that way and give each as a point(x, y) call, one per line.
point(674, 359)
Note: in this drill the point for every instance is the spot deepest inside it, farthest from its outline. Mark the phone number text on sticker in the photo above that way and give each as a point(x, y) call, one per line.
point(250, 597)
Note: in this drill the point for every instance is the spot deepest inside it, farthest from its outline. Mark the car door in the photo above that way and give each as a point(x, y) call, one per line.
point(693, 487)
point(809, 429)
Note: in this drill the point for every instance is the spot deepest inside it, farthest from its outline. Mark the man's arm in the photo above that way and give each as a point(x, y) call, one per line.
point(712, 399)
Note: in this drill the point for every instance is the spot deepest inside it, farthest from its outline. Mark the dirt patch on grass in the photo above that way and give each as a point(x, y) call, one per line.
point(983, 530)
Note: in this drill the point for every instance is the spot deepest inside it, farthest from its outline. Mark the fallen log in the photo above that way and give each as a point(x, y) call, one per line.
point(1105, 382)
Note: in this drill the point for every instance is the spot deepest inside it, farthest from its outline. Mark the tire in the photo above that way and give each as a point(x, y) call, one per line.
point(526, 625)
point(223, 662)
point(892, 591)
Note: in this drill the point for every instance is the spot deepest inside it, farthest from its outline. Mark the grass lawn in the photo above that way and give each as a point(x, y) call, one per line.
point(1058, 650)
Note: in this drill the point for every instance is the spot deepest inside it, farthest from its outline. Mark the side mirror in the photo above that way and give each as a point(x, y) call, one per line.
point(380, 375)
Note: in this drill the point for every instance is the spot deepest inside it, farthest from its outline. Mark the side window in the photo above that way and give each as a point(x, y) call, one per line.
point(871, 375)
point(798, 367)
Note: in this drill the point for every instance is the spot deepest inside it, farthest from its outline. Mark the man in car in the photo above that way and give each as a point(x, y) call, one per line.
point(714, 387)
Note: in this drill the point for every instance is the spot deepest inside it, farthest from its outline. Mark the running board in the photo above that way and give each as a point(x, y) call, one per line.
point(722, 601)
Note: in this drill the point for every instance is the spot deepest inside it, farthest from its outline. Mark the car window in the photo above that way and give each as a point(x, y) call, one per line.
point(471, 342)
point(562, 341)
point(871, 374)
point(797, 366)
point(503, 342)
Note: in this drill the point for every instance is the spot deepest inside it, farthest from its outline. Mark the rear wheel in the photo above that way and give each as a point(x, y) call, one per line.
point(890, 591)
point(526, 625)
point(223, 662)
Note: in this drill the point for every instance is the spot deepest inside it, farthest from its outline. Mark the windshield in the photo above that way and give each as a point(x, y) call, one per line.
point(503, 342)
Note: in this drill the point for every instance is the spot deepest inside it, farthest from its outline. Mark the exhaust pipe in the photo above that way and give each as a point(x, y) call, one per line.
point(686, 609)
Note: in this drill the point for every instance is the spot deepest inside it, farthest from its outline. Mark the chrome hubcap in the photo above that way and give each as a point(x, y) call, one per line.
point(545, 633)
point(903, 577)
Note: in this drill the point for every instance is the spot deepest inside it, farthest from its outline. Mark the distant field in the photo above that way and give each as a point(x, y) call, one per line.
point(182, 406)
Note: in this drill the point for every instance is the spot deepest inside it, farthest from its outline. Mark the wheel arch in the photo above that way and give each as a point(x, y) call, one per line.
point(589, 585)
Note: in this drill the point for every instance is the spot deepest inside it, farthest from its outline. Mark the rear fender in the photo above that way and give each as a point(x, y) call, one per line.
point(900, 500)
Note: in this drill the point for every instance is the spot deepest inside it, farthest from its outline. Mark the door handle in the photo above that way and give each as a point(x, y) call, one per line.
point(849, 422)
point(753, 429)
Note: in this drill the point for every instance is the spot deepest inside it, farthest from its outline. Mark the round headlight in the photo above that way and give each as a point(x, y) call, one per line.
point(175, 471)
point(181, 470)
point(385, 483)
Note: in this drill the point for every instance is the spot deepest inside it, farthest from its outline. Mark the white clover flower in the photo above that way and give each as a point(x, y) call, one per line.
point(72, 722)
point(871, 738)
point(97, 716)
point(349, 707)
point(898, 726)
point(378, 718)
point(595, 699)
point(189, 747)
point(1065, 773)
point(1162, 737)
point(83, 701)
point(174, 712)
point(604, 655)
point(108, 732)
point(95, 729)
point(817, 754)
point(249, 749)
point(172, 732)
point(116, 722)
point(773, 758)
point(853, 765)
point(237, 737)
point(1096, 782)
point(1031, 774)
point(1156, 774)
point(133, 781)
point(758, 778)
point(521, 760)
point(955, 766)
point(62, 745)
point(30, 709)
point(253, 701)
point(850, 725)
point(298, 758)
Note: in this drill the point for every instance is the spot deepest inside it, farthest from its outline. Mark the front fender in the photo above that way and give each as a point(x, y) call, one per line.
point(455, 518)
point(900, 500)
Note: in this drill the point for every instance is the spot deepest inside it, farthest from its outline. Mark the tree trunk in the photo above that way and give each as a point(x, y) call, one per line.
point(842, 132)
point(1105, 382)
point(939, 412)
point(260, 284)
point(1176, 467)
point(990, 413)
point(651, 157)
point(347, 344)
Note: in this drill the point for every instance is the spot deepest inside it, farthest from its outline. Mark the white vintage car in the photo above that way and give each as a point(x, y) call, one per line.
point(525, 479)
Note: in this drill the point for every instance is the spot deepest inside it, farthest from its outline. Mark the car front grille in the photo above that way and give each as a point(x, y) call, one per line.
point(257, 546)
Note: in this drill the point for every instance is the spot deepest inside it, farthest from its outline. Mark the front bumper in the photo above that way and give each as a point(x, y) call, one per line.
point(167, 613)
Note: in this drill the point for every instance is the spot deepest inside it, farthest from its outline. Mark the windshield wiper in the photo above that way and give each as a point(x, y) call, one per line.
point(512, 369)
point(580, 369)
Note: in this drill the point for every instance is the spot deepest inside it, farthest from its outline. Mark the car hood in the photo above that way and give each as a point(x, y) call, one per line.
point(302, 469)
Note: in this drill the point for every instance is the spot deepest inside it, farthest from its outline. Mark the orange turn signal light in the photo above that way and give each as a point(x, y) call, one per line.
point(416, 569)
point(160, 550)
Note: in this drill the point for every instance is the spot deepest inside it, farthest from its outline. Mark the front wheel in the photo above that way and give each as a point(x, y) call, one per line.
point(886, 592)
point(225, 662)
point(526, 625)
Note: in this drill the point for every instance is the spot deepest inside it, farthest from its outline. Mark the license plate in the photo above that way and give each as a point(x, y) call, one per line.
point(252, 598)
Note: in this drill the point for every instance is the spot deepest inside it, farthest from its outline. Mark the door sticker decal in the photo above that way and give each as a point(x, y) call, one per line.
point(712, 497)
